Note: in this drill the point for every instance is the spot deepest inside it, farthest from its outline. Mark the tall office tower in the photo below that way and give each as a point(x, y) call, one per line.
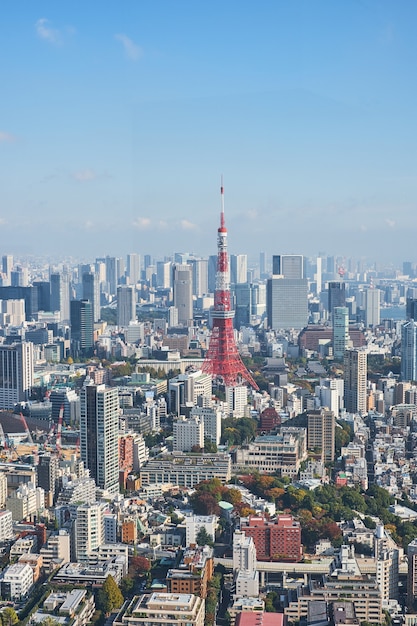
point(287, 291)
point(82, 328)
point(355, 375)
point(223, 359)
point(7, 265)
point(411, 307)
point(288, 265)
point(412, 575)
point(183, 292)
point(111, 275)
point(16, 373)
point(236, 400)
point(60, 295)
point(147, 261)
point(12, 312)
point(163, 274)
point(319, 275)
point(321, 428)
point(243, 304)
point(340, 332)
point(91, 292)
point(88, 530)
point(19, 277)
point(120, 271)
point(372, 307)
point(212, 269)
point(262, 264)
point(44, 294)
point(409, 350)
point(408, 269)
point(99, 425)
point(172, 316)
point(126, 306)
point(238, 268)
point(336, 297)
point(133, 268)
point(200, 276)
point(100, 270)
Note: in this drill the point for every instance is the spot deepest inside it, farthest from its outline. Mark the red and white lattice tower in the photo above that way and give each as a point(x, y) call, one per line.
point(223, 359)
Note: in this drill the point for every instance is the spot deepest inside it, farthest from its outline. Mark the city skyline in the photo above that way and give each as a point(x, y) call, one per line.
point(116, 126)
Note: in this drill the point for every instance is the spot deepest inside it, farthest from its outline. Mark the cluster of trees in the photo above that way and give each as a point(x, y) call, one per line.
point(236, 431)
point(208, 494)
point(319, 510)
point(109, 597)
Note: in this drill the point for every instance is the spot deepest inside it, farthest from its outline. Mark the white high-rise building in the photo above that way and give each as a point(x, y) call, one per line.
point(238, 268)
point(372, 307)
point(88, 530)
point(16, 373)
point(237, 400)
point(164, 274)
point(133, 268)
point(187, 434)
point(99, 425)
point(340, 332)
point(212, 422)
point(12, 312)
point(6, 525)
point(244, 552)
point(183, 293)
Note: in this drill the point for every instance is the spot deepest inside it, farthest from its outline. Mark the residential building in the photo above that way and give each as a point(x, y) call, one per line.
point(193, 573)
point(88, 530)
point(99, 425)
point(68, 398)
point(321, 427)
point(74, 607)
point(409, 351)
point(211, 417)
point(244, 552)
point(340, 332)
point(16, 581)
point(237, 400)
point(355, 377)
point(188, 434)
point(6, 526)
point(193, 525)
point(26, 502)
point(275, 540)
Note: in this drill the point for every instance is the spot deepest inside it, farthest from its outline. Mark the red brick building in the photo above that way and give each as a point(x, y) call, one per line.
point(269, 419)
point(275, 540)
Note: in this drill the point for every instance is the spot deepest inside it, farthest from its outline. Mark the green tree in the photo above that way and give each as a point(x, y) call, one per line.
point(203, 538)
point(109, 597)
point(209, 446)
point(47, 621)
point(9, 617)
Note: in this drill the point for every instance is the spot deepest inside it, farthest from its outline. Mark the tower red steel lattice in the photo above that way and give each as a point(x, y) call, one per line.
point(223, 359)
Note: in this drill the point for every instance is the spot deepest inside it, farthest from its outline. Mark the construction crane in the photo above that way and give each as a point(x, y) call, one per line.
point(27, 431)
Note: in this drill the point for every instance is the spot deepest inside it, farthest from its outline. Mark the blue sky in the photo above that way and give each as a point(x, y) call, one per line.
point(117, 120)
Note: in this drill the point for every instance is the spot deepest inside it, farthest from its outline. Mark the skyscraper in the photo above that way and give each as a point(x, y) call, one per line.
point(287, 291)
point(238, 269)
point(133, 268)
point(126, 305)
point(336, 297)
point(340, 332)
point(99, 425)
point(60, 295)
point(200, 276)
point(183, 295)
point(82, 328)
point(409, 350)
point(372, 307)
point(16, 373)
point(91, 292)
point(355, 377)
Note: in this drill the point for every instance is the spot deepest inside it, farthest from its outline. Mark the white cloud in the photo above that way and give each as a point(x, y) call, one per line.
point(142, 223)
point(390, 223)
point(88, 224)
point(186, 225)
point(84, 175)
point(46, 32)
point(132, 50)
point(6, 137)
point(2, 221)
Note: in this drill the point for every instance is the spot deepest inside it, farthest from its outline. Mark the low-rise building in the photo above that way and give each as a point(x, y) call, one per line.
point(275, 540)
point(68, 608)
point(187, 470)
point(193, 573)
point(16, 581)
point(281, 453)
point(163, 609)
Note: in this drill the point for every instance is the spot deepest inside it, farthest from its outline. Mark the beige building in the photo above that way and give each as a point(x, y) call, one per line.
point(321, 426)
point(163, 609)
point(275, 453)
point(186, 470)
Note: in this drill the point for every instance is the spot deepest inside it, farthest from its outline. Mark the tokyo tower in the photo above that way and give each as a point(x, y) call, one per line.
point(223, 359)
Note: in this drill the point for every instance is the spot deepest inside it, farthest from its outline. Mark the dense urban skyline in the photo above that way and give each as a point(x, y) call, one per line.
point(116, 126)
